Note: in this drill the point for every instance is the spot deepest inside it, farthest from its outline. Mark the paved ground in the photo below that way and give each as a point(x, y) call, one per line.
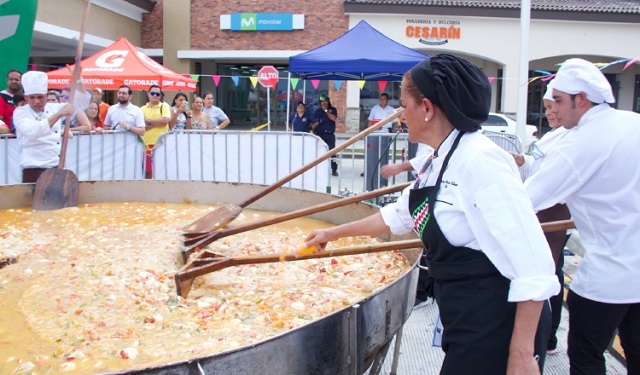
point(417, 356)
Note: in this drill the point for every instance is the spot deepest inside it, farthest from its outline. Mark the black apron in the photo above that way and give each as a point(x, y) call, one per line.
point(470, 292)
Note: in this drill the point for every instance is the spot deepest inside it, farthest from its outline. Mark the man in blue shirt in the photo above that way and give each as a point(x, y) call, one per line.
point(325, 126)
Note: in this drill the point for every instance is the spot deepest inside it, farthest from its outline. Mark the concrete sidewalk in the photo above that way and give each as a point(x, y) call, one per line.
point(417, 356)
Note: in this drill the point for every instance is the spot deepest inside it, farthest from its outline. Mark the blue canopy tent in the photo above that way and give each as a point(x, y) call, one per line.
point(362, 53)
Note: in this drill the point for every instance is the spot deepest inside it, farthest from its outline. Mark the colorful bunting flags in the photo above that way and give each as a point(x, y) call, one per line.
point(294, 82)
point(630, 63)
point(338, 83)
point(195, 77)
point(216, 80)
point(235, 80)
point(254, 81)
point(361, 83)
point(315, 83)
point(381, 85)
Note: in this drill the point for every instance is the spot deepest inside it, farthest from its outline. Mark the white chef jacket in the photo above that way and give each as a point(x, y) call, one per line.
point(130, 114)
point(379, 113)
point(534, 159)
point(595, 168)
point(482, 205)
point(40, 143)
point(424, 151)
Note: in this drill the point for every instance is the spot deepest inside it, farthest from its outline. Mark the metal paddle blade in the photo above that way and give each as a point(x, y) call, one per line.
point(56, 188)
point(216, 219)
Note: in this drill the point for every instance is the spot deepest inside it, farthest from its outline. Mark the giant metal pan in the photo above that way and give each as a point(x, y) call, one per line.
point(343, 342)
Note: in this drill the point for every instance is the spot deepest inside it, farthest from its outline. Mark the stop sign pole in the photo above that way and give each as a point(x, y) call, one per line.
point(268, 77)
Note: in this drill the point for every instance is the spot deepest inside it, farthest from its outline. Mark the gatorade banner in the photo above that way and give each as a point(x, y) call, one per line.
point(17, 18)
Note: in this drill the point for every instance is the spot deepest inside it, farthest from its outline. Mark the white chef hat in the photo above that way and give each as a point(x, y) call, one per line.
point(548, 95)
point(578, 75)
point(34, 82)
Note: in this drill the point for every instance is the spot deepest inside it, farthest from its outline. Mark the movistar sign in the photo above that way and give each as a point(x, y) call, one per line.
point(261, 21)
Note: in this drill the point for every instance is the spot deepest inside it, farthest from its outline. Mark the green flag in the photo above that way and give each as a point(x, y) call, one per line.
point(17, 18)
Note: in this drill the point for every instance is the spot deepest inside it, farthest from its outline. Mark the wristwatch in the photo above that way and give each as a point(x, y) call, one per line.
point(129, 126)
point(147, 121)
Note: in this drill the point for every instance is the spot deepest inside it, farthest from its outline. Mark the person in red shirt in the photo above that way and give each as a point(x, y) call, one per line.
point(14, 86)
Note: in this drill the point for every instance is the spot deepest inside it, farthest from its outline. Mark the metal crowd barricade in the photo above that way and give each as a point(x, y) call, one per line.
point(107, 155)
point(10, 171)
point(360, 163)
point(508, 142)
point(244, 157)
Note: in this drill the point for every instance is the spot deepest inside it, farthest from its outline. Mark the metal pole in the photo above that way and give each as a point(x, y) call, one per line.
point(286, 121)
point(523, 71)
point(268, 109)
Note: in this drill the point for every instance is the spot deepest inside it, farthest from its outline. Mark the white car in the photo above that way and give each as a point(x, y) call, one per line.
point(500, 123)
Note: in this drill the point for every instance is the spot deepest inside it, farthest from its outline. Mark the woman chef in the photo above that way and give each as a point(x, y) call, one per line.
point(491, 265)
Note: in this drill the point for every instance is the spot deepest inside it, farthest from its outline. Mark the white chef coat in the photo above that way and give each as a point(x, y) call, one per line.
point(423, 153)
point(534, 159)
point(379, 113)
point(595, 168)
point(482, 205)
point(130, 114)
point(41, 143)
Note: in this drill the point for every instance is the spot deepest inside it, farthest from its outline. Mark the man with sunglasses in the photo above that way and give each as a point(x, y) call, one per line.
point(157, 115)
point(124, 115)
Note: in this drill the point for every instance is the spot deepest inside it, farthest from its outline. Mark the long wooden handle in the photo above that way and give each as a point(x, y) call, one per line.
point(75, 77)
point(554, 226)
point(216, 235)
point(322, 158)
point(273, 258)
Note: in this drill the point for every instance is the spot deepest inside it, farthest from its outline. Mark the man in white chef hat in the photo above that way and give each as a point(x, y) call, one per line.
point(38, 124)
point(595, 168)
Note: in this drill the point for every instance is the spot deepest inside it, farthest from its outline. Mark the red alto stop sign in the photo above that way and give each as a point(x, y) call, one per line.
point(268, 76)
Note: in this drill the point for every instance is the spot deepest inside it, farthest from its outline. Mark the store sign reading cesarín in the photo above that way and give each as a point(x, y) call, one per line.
point(261, 21)
point(433, 31)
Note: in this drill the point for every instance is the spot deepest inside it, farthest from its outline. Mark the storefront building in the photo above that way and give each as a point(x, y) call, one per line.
point(223, 44)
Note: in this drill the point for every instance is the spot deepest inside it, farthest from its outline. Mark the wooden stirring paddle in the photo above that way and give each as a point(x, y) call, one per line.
point(193, 241)
point(210, 262)
point(58, 188)
point(222, 216)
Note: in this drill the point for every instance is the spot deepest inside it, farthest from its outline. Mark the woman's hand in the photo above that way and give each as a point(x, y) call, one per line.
point(318, 237)
point(519, 158)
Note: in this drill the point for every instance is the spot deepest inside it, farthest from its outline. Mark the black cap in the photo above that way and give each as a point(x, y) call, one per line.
point(457, 86)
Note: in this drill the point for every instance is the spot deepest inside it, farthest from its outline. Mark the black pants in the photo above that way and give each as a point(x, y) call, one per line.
point(478, 323)
point(30, 175)
point(591, 326)
point(330, 140)
point(556, 306)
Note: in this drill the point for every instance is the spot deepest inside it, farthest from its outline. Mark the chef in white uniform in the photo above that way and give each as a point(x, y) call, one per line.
point(491, 265)
point(38, 125)
point(595, 169)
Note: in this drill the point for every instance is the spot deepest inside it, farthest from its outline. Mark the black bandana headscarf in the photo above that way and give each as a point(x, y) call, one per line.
point(460, 88)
